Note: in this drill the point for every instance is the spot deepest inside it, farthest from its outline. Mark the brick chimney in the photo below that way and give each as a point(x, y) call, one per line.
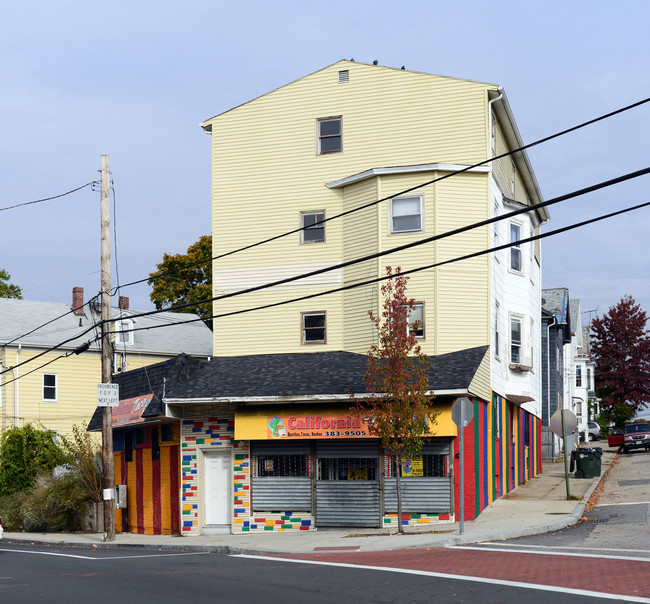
point(78, 300)
point(123, 303)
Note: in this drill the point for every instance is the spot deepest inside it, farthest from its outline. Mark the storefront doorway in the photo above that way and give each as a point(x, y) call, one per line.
point(218, 488)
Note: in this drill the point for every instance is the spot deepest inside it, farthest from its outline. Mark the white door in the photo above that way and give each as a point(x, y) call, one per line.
point(217, 488)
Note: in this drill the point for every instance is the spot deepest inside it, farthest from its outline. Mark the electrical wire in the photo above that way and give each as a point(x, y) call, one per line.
point(65, 314)
point(488, 221)
point(404, 192)
point(28, 203)
point(355, 285)
point(416, 270)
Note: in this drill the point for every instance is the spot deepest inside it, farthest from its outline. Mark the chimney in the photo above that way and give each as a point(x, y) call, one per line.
point(78, 300)
point(123, 303)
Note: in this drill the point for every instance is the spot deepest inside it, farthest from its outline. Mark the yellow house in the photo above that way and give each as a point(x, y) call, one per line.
point(323, 179)
point(43, 381)
point(333, 143)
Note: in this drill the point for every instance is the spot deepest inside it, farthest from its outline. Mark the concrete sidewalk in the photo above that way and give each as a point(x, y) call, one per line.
point(538, 506)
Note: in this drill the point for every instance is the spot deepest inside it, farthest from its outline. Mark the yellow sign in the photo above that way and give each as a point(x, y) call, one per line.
point(413, 466)
point(321, 422)
point(357, 473)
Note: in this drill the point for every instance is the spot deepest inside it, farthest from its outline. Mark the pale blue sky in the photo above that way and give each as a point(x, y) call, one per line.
point(134, 80)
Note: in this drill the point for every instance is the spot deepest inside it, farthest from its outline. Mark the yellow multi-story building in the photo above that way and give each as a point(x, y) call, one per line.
point(331, 144)
point(322, 179)
point(42, 380)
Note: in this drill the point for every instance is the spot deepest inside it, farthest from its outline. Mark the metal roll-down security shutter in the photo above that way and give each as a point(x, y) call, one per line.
point(281, 477)
point(347, 483)
point(424, 494)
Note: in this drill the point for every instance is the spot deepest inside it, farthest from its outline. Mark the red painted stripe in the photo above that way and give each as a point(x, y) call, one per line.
point(125, 480)
point(155, 495)
point(139, 491)
point(174, 489)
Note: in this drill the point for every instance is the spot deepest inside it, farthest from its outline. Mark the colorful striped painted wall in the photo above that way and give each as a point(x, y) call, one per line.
point(150, 469)
point(502, 450)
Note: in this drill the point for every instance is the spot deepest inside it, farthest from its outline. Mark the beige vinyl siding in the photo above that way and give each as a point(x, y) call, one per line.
point(266, 170)
point(480, 384)
point(361, 238)
point(276, 329)
point(462, 288)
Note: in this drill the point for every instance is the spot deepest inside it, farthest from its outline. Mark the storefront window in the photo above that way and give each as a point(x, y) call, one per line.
point(347, 468)
point(282, 465)
point(423, 465)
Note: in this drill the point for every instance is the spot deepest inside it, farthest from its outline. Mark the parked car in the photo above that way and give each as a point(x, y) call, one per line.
point(1, 529)
point(593, 431)
point(636, 436)
point(614, 437)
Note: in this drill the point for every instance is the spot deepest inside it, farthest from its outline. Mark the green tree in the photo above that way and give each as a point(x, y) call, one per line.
point(620, 345)
point(398, 405)
point(9, 290)
point(185, 279)
point(24, 454)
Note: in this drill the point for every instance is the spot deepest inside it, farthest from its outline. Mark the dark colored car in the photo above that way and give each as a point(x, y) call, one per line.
point(636, 436)
point(614, 437)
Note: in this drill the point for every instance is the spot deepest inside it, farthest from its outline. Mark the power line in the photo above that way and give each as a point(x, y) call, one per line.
point(404, 192)
point(28, 203)
point(419, 269)
point(65, 314)
point(506, 216)
point(358, 284)
point(419, 242)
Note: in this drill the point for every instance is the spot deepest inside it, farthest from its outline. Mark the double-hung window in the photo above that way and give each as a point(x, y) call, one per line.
point(406, 214)
point(312, 231)
point(330, 139)
point(515, 247)
point(496, 330)
point(415, 322)
point(313, 327)
point(578, 376)
point(50, 394)
point(515, 340)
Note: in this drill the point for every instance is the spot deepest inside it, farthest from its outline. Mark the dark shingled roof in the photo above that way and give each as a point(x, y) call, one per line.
point(161, 379)
point(297, 374)
point(276, 375)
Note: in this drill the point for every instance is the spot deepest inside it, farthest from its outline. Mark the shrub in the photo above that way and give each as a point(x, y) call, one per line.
point(12, 519)
point(24, 454)
point(54, 504)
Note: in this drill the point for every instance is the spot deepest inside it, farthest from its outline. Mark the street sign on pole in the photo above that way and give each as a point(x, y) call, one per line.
point(108, 395)
point(462, 413)
point(564, 422)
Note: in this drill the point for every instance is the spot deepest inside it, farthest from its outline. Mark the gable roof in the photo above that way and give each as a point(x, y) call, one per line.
point(20, 317)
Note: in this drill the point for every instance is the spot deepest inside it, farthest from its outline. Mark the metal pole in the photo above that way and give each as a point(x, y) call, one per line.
point(108, 481)
point(566, 461)
point(461, 478)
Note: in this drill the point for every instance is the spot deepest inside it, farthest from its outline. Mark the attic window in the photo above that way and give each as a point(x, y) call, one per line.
point(124, 332)
point(344, 75)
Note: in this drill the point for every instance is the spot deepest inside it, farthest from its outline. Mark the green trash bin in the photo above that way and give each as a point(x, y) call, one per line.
point(598, 454)
point(586, 463)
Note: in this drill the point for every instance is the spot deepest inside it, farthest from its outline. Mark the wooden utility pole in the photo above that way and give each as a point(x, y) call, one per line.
point(108, 482)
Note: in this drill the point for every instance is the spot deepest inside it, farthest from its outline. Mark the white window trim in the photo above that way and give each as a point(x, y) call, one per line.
point(56, 388)
point(390, 215)
point(319, 138)
point(120, 325)
point(497, 331)
point(520, 344)
point(302, 224)
point(304, 340)
point(515, 247)
point(408, 322)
